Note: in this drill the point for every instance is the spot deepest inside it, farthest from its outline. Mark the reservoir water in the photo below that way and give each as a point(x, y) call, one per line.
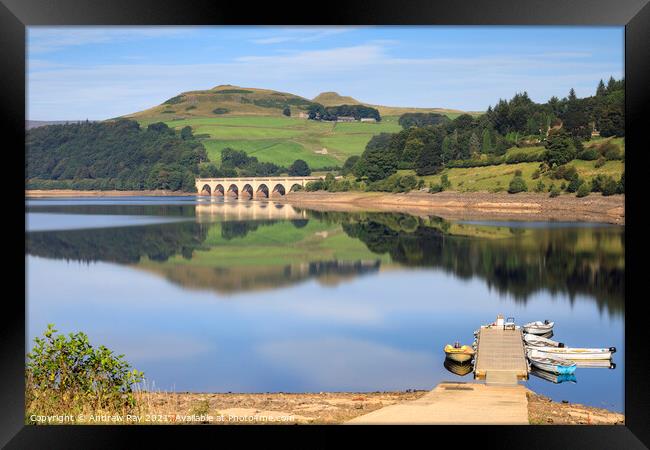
point(207, 295)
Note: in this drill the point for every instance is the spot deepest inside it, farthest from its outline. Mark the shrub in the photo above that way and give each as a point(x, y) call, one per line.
point(554, 191)
point(609, 151)
point(574, 184)
point(517, 173)
point(589, 154)
point(610, 187)
point(583, 190)
point(444, 181)
point(220, 111)
point(536, 174)
point(621, 184)
point(600, 163)
point(435, 188)
point(67, 375)
point(517, 184)
point(564, 173)
point(299, 168)
point(539, 187)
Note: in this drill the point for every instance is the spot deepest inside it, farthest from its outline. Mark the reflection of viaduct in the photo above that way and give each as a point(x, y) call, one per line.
point(250, 187)
point(248, 211)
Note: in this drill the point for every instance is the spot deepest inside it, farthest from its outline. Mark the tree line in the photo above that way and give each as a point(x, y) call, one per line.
point(320, 112)
point(428, 142)
point(237, 163)
point(115, 154)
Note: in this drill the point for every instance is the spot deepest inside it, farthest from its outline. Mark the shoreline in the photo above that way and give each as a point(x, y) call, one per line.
point(470, 206)
point(64, 193)
point(447, 205)
point(329, 408)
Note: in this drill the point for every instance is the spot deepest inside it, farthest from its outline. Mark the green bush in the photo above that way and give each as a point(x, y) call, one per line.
point(609, 151)
point(518, 173)
point(583, 190)
point(435, 188)
point(574, 184)
point(554, 191)
point(540, 186)
point(517, 184)
point(588, 154)
point(67, 375)
point(220, 111)
point(444, 181)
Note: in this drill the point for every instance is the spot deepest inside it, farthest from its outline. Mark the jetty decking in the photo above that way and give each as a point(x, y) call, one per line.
point(456, 403)
point(500, 356)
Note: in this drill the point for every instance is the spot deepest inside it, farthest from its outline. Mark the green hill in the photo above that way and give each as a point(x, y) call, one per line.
point(224, 100)
point(335, 99)
point(252, 120)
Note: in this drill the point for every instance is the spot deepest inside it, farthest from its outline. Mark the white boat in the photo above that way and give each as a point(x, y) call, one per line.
point(538, 327)
point(535, 340)
point(553, 365)
point(552, 377)
point(595, 364)
point(574, 354)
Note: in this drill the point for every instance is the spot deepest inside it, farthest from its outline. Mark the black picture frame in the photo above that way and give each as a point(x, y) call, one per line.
point(15, 15)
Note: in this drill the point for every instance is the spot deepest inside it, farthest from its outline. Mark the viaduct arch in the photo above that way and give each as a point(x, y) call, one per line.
point(247, 188)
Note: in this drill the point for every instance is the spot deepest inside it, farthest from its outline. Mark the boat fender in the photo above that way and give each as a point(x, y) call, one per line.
point(612, 366)
point(560, 345)
point(612, 349)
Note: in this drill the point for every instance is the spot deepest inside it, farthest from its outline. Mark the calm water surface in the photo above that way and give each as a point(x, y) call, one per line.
point(246, 296)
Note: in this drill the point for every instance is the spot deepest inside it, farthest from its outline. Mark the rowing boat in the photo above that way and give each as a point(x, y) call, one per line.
point(535, 340)
point(538, 327)
point(574, 354)
point(553, 365)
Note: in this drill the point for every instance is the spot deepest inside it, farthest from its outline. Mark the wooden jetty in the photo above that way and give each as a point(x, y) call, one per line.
point(500, 356)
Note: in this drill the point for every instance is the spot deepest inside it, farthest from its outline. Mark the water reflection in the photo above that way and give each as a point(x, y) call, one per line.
point(233, 254)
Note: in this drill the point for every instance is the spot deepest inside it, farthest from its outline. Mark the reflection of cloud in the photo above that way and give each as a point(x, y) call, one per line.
point(351, 364)
point(154, 347)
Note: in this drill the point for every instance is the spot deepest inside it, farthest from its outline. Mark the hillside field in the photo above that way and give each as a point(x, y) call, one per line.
point(282, 140)
point(497, 178)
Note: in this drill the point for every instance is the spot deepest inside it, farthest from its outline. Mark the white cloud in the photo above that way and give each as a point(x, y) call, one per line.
point(43, 40)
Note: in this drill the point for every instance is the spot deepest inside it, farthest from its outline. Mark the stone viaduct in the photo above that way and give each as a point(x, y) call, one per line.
point(254, 187)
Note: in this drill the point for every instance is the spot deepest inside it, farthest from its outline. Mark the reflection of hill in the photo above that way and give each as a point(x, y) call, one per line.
point(588, 261)
point(237, 279)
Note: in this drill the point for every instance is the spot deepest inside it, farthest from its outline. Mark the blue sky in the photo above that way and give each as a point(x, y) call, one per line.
point(103, 72)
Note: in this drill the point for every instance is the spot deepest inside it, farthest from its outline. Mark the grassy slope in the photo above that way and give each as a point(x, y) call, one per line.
point(282, 140)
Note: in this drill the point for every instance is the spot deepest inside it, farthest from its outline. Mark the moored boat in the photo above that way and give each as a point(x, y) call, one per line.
point(553, 377)
point(535, 340)
point(574, 354)
point(459, 353)
point(538, 327)
point(553, 365)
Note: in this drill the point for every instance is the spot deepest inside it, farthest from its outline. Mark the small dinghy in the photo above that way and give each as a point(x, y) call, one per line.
point(552, 377)
point(575, 354)
point(459, 353)
point(535, 340)
point(538, 327)
point(595, 364)
point(553, 365)
point(457, 368)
